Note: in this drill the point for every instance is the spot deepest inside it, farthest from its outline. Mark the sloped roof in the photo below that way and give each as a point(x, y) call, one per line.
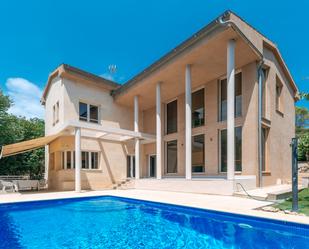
point(226, 16)
point(65, 70)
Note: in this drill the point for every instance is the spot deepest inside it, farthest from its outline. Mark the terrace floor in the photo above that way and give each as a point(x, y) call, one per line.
point(230, 204)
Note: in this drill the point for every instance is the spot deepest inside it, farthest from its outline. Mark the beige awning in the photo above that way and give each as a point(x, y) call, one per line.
point(13, 149)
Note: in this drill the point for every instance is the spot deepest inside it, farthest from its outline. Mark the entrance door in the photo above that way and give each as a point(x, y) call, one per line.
point(130, 166)
point(152, 166)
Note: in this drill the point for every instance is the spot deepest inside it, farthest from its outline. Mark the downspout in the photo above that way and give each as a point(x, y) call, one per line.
point(260, 89)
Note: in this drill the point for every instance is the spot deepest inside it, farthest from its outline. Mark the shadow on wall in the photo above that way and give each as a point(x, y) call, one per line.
point(108, 166)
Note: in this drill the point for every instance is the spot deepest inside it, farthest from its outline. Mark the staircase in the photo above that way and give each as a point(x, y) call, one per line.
point(124, 184)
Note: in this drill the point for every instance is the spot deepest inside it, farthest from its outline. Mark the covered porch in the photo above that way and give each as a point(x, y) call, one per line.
point(219, 54)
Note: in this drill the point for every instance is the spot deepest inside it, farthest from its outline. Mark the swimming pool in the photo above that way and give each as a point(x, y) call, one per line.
point(114, 222)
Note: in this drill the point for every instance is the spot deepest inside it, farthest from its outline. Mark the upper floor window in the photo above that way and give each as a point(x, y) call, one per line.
point(56, 113)
point(279, 86)
point(171, 117)
point(198, 108)
point(264, 92)
point(89, 113)
point(238, 97)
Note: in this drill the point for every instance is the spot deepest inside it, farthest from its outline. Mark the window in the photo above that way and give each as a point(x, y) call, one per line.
point(198, 108)
point(83, 114)
point(89, 113)
point(85, 160)
point(94, 160)
point(69, 160)
point(198, 154)
point(130, 166)
point(171, 153)
point(264, 148)
point(90, 160)
point(56, 113)
point(94, 114)
point(171, 117)
point(264, 91)
point(238, 149)
point(279, 86)
point(238, 97)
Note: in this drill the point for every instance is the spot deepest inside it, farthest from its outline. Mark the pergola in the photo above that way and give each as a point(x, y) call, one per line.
point(78, 129)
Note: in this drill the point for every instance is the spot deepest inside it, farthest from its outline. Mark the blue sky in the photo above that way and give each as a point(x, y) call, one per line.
point(37, 36)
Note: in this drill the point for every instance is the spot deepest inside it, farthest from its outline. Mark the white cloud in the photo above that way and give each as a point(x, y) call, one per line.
point(26, 97)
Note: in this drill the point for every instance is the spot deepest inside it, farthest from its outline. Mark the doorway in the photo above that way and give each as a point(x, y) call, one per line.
point(152, 166)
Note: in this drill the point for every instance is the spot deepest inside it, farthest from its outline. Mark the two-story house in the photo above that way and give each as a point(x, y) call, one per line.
point(216, 111)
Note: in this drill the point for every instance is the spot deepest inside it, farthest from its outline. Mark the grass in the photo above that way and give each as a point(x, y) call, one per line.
point(303, 202)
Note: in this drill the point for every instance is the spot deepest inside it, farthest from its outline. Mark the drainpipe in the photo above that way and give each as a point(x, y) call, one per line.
point(260, 86)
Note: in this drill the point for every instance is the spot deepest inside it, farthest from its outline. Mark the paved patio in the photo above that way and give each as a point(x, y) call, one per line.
point(230, 204)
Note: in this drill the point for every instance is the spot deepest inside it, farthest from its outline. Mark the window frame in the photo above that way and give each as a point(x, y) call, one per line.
point(279, 98)
point(165, 116)
point(204, 154)
point(166, 158)
point(219, 96)
point(56, 113)
point(220, 160)
point(88, 114)
point(204, 106)
point(64, 162)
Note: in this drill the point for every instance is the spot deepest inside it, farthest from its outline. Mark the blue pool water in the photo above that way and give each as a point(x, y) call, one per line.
point(112, 222)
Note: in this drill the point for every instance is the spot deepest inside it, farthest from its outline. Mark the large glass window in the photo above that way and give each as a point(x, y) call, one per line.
point(171, 117)
point(238, 149)
point(198, 108)
point(88, 113)
point(130, 166)
point(198, 154)
point(264, 92)
point(171, 152)
point(264, 148)
point(83, 111)
point(238, 97)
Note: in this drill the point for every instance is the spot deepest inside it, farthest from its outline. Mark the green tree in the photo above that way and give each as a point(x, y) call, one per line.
point(302, 130)
point(15, 129)
point(302, 120)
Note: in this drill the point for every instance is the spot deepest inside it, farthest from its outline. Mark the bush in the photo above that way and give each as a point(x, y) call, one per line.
point(303, 147)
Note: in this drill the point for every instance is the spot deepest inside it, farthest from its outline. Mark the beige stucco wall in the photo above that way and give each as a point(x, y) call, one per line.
point(112, 164)
point(112, 155)
point(282, 127)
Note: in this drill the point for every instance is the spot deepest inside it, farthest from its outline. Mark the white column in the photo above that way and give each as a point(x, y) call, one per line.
point(188, 117)
point(46, 162)
point(137, 141)
point(77, 159)
point(159, 131)
point(231, 109)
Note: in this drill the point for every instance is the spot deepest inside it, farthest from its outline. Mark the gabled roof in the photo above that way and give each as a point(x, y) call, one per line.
point(215, 24)
point(67, 71)
point(230, 19)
